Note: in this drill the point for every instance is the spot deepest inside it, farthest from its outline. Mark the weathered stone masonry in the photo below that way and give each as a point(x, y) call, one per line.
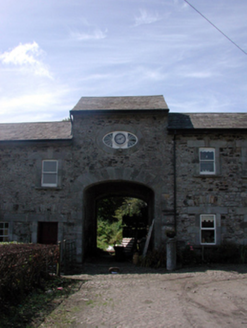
point(223, 194)
point(88, 169)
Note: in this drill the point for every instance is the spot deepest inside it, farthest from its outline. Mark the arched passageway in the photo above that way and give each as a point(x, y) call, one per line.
point(109, 189)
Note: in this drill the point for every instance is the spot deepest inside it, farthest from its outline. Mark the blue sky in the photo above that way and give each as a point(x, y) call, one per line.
point(54, 52)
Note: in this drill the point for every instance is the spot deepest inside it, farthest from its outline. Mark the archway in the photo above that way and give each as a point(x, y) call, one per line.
point(110, 189)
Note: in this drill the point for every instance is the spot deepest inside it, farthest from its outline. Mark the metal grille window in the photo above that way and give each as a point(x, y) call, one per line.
point(207, 160)
point(49, 173)
point(4, 231)
point(208, 229)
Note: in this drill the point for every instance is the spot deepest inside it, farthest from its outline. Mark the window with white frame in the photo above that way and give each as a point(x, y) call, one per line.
point(207, 160)
point(4, 231)
point(49, 173)
point(208, 229)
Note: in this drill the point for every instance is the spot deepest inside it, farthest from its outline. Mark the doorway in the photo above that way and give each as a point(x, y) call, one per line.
point(127, 193)
point(47, 232)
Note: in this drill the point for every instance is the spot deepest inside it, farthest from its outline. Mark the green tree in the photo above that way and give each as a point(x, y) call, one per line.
point(106, 208)
point(110, 218)
point(130, 207)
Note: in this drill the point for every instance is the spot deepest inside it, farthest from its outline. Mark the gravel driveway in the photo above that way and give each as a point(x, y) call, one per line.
point(139, 297)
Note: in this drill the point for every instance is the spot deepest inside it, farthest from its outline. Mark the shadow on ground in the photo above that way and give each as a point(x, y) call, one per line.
point(102, 263)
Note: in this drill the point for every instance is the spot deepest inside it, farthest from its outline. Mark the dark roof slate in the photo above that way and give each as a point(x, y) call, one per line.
point(35, 131)
point(190, 121)
point(121, 103)
point(176, 121)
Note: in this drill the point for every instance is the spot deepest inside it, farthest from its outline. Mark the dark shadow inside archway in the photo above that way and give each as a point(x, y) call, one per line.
point(96, 192)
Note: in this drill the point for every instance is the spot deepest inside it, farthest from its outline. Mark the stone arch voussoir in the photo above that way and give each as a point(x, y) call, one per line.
point(117, 174)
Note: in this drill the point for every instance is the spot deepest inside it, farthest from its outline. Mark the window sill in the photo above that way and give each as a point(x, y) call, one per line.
point(205, 246)
point(48, 188)
point(208, 176)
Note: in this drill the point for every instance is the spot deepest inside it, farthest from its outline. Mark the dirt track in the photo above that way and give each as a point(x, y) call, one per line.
point(137, 297)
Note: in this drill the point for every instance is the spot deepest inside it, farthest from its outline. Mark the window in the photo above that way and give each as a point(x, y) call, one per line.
point(49, 173)
point(207, 160)
point(4, 231)
point(208, 234)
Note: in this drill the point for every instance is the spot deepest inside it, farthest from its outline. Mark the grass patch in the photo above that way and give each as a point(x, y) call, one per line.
point(33, 308)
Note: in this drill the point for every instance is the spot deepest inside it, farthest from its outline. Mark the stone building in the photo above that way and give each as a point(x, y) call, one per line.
point(190, 169)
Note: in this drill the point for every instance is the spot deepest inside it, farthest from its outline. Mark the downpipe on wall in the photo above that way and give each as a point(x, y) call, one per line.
point(175, 181)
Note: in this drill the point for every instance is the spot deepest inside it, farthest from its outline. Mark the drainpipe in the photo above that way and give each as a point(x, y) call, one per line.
point(175, 181)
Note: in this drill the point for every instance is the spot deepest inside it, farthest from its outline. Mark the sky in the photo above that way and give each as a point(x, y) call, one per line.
point(53, 52)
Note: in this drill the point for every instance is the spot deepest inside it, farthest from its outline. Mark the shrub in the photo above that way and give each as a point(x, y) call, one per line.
point(188, 255)
point(243, 254)
point(109, 233)
point(227, 252)
point(21, 268)
point(154, 259)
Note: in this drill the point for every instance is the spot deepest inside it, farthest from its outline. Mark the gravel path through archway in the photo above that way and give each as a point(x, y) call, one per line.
point(199, 297)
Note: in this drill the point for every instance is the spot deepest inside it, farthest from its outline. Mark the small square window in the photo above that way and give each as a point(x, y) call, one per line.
point(207, 160)
point(49, 173)
point(4, 231)
point(207, 230)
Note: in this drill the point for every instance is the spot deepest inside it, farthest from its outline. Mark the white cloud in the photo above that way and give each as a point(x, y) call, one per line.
point(196, 74)
point(180, 4)
point(150, 74)
point(96, 77)
point(40, 105)
point(146, 18)
point(97, 34)
point(199, 105)
point(25, 56)
point(27, 101)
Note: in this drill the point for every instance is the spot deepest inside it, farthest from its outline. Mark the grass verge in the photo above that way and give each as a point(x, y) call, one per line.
point(33, 309)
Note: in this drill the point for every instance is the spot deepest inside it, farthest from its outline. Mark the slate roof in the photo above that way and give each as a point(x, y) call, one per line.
point(192, 121)
point(35, 131)
point(121, 103)
point(176, 121)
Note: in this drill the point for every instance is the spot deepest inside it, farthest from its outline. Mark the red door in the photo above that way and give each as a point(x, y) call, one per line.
point(47, 232)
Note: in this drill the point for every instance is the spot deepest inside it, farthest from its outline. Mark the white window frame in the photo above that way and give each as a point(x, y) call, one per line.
point(205, 160)
point(43, 184)
point(202, 218)
point(4, 237)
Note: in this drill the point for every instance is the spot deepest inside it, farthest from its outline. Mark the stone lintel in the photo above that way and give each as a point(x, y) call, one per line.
point(207, 210)
point(241, 210)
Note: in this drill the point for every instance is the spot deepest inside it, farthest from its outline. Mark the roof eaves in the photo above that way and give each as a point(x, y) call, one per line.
point(206, 130)
point(118, 110)
point(36, 140)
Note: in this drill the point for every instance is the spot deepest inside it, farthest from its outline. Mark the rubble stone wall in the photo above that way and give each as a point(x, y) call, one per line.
point(86, 161)
point(223, 194)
